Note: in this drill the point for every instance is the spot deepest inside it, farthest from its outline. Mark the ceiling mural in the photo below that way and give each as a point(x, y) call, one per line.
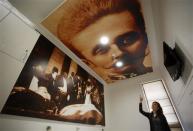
point(108, 35)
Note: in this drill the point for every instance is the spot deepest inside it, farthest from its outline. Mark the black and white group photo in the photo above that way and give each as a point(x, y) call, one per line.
point(53, 86)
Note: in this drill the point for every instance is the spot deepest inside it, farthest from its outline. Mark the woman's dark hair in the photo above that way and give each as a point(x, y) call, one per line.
point(159, 111)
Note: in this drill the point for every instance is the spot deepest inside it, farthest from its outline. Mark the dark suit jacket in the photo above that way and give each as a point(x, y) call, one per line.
point(51, 85)
point(164, 123)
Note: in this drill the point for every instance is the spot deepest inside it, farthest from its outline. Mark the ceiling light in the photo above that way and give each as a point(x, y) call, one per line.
point(104, 40)
point(119, 64)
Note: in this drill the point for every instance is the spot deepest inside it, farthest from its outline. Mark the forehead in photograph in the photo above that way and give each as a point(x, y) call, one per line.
point(77, 15)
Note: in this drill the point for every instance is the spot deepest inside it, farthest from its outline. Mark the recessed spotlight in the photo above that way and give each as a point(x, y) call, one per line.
point(119, 64)
point(104, 40)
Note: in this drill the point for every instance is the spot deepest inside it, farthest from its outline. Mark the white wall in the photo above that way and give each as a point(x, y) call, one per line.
point(16, 43)
point(10, 123)
point(174, 23)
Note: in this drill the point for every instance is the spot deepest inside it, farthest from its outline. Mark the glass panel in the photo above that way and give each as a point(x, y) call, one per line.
point(168, 110)
point(164, 102)
point(171, 118)
point(154, 90)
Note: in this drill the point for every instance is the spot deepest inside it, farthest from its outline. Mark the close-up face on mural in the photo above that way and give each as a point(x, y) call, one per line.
point(109, 36)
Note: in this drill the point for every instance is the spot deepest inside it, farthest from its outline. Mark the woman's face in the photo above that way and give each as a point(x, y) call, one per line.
point(155, 107)
point(113, 45)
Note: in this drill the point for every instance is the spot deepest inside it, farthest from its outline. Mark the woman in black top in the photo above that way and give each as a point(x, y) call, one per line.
point(156, 118)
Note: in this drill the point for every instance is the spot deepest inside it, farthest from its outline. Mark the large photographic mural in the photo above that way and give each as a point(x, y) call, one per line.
point(108, 35)
point(53, 86)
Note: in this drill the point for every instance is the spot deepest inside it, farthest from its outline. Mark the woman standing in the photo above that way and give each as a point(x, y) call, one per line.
point(156, 118)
